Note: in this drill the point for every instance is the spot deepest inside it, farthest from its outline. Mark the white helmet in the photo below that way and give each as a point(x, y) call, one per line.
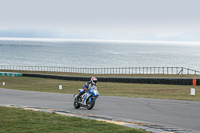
point(93, 80)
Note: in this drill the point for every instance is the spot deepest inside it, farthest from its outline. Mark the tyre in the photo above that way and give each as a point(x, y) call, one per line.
point(91, 104)
point(76, 104)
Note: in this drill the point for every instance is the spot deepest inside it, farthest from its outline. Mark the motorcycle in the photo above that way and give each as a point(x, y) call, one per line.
point(86, 100)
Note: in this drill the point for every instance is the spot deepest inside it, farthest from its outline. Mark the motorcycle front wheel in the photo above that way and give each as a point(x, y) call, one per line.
point(91, 104)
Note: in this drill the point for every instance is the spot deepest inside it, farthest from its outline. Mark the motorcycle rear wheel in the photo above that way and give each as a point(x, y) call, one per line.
point(76, 104)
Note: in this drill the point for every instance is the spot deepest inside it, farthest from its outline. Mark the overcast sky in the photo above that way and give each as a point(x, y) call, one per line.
point(103, 19)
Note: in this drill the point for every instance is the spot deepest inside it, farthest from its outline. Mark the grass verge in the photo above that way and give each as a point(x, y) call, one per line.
point(23, 121)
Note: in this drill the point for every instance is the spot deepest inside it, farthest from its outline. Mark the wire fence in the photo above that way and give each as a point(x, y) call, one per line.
point(119, 70)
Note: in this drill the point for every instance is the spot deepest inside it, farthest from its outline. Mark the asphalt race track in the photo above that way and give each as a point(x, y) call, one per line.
point(182, 114)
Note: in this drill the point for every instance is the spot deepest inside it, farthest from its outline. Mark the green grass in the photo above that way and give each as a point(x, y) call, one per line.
point(23, 121)
point(160, 91)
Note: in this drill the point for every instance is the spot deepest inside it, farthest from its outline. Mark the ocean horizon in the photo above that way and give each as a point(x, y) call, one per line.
point(88, 53)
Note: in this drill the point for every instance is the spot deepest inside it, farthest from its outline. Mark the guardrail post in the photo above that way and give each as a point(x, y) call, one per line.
point(163, 70)
point(139, 70)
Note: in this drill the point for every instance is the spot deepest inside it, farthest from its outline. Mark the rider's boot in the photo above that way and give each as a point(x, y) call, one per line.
point(79, 95)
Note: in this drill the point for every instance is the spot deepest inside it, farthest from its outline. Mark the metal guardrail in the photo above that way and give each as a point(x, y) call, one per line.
point(119, 70)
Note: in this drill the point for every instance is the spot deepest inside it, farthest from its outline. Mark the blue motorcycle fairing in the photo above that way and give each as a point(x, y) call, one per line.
point(91, 92)
point(80, 90)
point(84, 98)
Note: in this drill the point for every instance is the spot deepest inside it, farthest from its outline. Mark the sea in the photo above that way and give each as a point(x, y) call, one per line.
point(98, 53)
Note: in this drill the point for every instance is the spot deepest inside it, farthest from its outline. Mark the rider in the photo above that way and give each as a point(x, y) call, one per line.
point(88, 85)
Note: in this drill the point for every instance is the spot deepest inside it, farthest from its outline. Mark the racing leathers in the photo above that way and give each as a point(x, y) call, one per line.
point(86, 87)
